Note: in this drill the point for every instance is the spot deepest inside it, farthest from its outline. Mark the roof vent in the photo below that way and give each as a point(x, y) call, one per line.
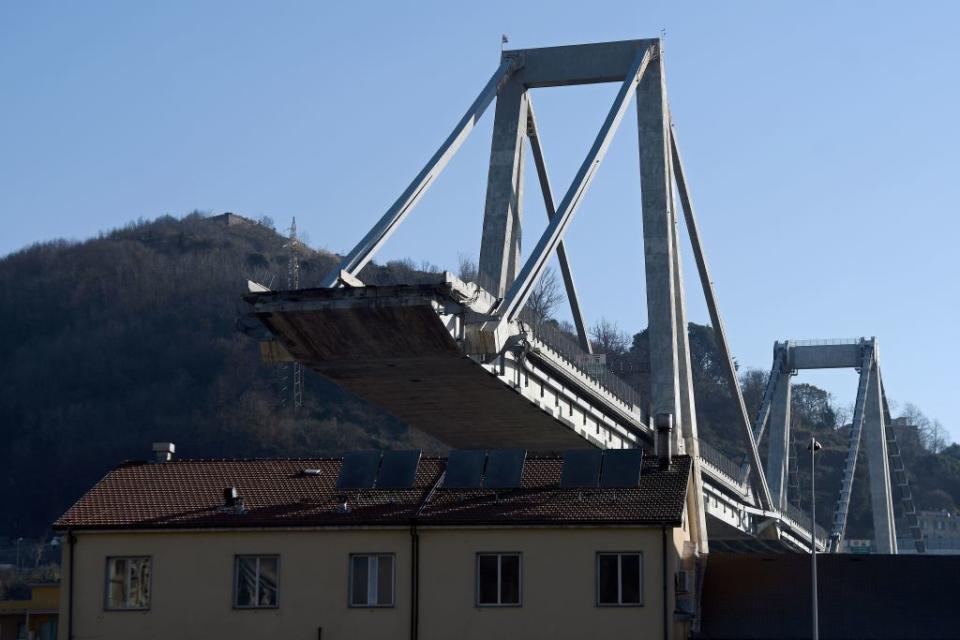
point(163, 451)
point(232, 500)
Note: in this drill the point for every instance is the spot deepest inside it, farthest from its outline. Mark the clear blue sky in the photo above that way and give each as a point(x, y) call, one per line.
point(821, 141)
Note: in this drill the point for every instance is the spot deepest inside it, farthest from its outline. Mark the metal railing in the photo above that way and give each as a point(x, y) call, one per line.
point(804, 520)
point(823, 343)
point(566, 346)
point(737, 473)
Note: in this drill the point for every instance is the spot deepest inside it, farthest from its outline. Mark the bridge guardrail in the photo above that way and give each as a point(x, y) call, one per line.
point(821, 343)
point(803, 519)
point(569, 350)
point(725, 465)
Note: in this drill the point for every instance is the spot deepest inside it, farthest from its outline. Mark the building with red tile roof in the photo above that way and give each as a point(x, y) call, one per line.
point(252, 548)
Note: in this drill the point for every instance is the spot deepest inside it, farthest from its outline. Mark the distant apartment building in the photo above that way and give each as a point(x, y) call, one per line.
point(941, 533)
point(906, 433)
point(471, 546)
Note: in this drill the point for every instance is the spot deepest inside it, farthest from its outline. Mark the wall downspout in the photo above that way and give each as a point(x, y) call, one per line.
point(414, 581)
point(666, 609)
point(71, 545)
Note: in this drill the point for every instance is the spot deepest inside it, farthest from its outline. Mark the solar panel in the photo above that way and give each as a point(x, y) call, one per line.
point(359, 470)
point(581, 468)
point(621, 467)
point(464, 468)
point(504, 468)
point(398, 469)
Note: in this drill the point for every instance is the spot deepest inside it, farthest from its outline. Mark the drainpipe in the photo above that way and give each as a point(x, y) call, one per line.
point(666, 611)
point(414, 581)
point(71, 545)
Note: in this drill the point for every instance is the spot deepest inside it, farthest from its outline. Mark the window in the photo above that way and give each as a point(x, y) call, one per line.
point(371, 580)
point(128, 583)
point(619, 579)
point(255, 582)
point(498, 580)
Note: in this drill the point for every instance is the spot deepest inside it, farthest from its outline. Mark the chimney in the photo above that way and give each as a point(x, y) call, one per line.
point(232, 499)
point(663, 443)
point(163, 451)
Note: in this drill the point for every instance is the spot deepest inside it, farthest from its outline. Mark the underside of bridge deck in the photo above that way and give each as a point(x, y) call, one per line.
point(400, 356)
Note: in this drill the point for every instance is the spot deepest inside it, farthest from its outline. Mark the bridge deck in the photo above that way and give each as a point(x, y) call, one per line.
point(402, 357)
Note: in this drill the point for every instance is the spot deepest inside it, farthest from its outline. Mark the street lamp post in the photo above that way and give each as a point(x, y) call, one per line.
point(813, 447)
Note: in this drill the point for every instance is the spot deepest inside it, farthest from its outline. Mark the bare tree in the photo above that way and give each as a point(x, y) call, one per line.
point(932, 434)
point(843, 413)
point(467, 268)
point(545, 296)
point(608, 338)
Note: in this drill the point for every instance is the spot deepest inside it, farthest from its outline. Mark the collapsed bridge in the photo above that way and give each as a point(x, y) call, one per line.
point(460, 360)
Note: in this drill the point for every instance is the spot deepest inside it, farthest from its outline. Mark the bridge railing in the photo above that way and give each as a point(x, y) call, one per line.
point(736, 472)
point(567, 348)
point(803, 518)
point(823, 343)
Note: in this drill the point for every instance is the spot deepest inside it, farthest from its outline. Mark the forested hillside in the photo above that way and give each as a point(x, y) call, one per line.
point(131, 337)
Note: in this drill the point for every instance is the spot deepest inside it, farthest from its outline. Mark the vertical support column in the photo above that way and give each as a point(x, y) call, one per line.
point(658, 240)
point(685, 400)
point(500, 246)
point(778, 452)
point(875, 442)
point(688, 407)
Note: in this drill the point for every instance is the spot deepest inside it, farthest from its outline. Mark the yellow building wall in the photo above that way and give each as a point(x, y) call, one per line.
point(192, 586)
point(558, 584)
point(193, 572)
point(43, 597)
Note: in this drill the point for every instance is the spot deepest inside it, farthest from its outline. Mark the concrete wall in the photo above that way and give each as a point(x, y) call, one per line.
point(192, 585)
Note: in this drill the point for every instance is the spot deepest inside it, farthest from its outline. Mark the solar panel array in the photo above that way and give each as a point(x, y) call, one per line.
point(621, 467)
point(359, 470)
point(581, 468)
point(504, 468)
point(493, 469)
point(465, 469)
point(607, 468)
point(398, 470)
point(384, 470)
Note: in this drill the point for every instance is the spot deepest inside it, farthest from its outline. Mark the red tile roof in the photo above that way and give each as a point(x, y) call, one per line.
point(278, 493)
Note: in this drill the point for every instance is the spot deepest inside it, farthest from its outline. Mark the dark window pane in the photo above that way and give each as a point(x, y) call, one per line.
point(268, 582)
point(607, 579)
point(487, 579)
point(359, 592)
point(510, 579)
point(246, 582)
point(385, 580)
point(630, 578)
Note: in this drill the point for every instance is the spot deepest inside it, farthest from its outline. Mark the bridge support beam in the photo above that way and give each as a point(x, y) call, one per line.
point(778, 451)
point(875, 443)
point(500, 244)
point(658, 242)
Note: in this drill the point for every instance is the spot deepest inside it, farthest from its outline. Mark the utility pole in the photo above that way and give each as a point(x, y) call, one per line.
point(293, 282)
point(813, 447)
